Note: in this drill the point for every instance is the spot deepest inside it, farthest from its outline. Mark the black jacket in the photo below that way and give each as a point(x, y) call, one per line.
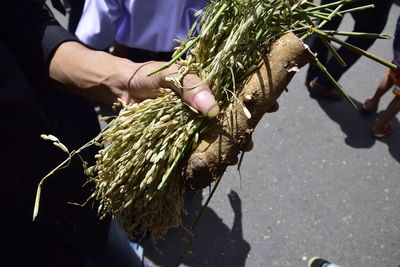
point(29, 107)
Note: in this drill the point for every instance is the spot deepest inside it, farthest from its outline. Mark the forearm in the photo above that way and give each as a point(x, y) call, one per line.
point(93, 74)
point(104, 77)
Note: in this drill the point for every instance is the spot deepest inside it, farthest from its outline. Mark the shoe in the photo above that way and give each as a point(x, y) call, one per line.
point(317, 262)
point(368, 107)
point(388, 129)
point(317, 90)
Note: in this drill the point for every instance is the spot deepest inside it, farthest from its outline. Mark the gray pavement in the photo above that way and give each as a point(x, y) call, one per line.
point(315, 184)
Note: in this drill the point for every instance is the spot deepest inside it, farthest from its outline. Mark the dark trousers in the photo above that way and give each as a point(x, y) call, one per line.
point(75, 14)
point(370, 20)
point(140, 55)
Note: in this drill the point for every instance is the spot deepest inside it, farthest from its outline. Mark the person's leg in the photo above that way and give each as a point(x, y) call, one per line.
point(120, 251)
point(75, 14)
point(318, 47)
point(362, 23)
point(383, 127)
point(371, 104)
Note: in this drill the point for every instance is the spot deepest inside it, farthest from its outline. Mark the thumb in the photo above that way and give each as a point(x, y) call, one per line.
point(200, 97)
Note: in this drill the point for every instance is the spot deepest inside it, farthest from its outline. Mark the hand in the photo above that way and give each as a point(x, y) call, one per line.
point(103, 77)
point(142, 87)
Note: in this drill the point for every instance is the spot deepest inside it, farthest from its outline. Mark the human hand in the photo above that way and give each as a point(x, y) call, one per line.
point(141, 86)
point(104, 77)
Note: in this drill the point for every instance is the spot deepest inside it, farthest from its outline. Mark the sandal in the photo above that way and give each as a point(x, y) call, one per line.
point(368, 107)
point(317, 90)
point(388, 129)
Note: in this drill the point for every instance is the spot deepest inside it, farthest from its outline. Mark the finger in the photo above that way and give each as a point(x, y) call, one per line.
point(233, 161)
point(200, 97)
point(247, 143)
point(248, 146)
point(273, 108)
point(195, 92)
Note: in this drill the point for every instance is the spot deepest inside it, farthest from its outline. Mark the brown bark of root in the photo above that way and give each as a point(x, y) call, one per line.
point(219, 147)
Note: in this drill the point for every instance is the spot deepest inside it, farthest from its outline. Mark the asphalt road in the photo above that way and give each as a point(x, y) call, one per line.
point(315, 184)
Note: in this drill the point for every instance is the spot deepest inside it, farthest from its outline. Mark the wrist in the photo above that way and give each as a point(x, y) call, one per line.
point(93, 74)
point(116, 78)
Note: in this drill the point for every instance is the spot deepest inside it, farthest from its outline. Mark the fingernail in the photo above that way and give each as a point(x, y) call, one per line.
point(213, 111)
point(205, 103)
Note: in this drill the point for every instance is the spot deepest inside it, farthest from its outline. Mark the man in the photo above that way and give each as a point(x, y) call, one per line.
point(140, 30)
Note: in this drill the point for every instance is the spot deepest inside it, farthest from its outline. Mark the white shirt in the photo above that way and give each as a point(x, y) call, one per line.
point(144, 24)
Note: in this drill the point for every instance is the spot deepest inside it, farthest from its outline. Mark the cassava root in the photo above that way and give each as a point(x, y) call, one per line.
point(220, 147)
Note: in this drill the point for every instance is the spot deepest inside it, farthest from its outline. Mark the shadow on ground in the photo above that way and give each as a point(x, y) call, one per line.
point(214, 243)
point(356, 124)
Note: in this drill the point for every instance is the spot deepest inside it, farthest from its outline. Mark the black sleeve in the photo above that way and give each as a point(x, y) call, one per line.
point(32, 34)
point(53, 36)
